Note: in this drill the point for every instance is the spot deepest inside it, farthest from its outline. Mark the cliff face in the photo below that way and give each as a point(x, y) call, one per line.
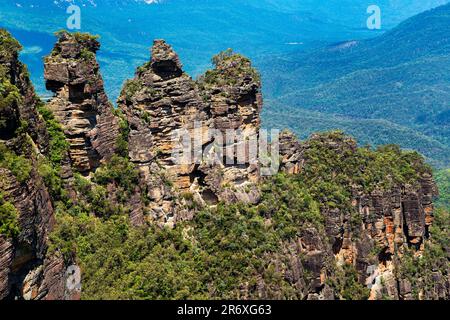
point(80, 103)
point(26, 270)
point(380, 226)
point(359, 218)
point(162, 100)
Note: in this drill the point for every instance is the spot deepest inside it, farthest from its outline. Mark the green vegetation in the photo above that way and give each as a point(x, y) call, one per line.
point(78, 36)
point(122, 262)
point(9, 98)
point(19, 165)
point(443, 181)
point(335, 165)
point(130, 88)
point(9, 224)
point(87, 55)
point(122, 139)
point(289, 203)
point(347, 286)
point(367, 131)
point(49, 167)
point(380, 90)
point(58, 144)
point(9, 93)
point(89, 43)
point(229, 69)
point(146, 66)
point(420, 270)
point(9, 47)
point(238, 242)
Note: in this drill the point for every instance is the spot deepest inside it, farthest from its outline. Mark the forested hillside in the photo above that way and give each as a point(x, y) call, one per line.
point(395, 86)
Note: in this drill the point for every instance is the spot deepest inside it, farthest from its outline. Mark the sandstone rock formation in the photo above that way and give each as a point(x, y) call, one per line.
point(23, 260)
point(80, 102)
point(372, 233)
point(387, 221)
point(162, 100)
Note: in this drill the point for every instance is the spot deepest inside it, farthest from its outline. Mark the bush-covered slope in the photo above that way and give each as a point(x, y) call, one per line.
point(241, 251)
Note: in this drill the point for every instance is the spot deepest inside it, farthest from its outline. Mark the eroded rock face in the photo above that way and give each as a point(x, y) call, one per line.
point(389, 221)
point(162, 100)
point(80, 102)
point(158, 102)
point(232, 91)
point(26, 136)
point(6, 257)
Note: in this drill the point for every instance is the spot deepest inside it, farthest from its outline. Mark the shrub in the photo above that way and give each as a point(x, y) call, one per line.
point(9, 47)
point(130, 88)
point(18, 165)
point(119, 171)
point(443, 182)
point(9, 224)
point(122, 139)
point(346, 284)
point(58, 143)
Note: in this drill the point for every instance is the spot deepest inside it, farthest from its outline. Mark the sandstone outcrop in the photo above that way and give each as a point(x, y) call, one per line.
point(80, 103)
point(162, 100)
point(371, 231)
point(25, 135)
point(387, 221)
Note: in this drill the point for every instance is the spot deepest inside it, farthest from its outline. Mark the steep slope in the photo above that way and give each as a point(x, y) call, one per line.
point(401, 77)
point(26, 209)
point(338, 221)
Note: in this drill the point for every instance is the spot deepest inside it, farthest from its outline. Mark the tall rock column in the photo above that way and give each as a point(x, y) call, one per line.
point(158, 102)
point(162, 100)
point(232, 91)
point(80, 102)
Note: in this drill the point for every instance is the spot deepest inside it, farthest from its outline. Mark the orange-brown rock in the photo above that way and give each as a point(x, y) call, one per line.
point(80, 102)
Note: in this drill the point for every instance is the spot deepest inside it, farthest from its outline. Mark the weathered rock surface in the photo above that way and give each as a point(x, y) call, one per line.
point(30, 197)
point(159, 102)
point(80, 103)
point(391, 221)
point(162, 100)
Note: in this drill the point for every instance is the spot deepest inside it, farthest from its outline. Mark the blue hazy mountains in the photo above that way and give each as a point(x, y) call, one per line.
point(322, 67)
point(197, 28)
point(394, 88)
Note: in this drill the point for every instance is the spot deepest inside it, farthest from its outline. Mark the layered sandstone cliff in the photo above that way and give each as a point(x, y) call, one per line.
point(375, 232)
point(79, 102)
point(26, 270)
point(166, 110)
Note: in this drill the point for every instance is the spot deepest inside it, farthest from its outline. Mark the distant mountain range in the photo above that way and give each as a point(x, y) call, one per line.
point(394, 88)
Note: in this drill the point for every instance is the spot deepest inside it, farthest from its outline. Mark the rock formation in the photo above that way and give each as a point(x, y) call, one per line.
point(387, 221)
point(80, 102)
point(370, 231)
point(26, 270)
point(162, 100)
